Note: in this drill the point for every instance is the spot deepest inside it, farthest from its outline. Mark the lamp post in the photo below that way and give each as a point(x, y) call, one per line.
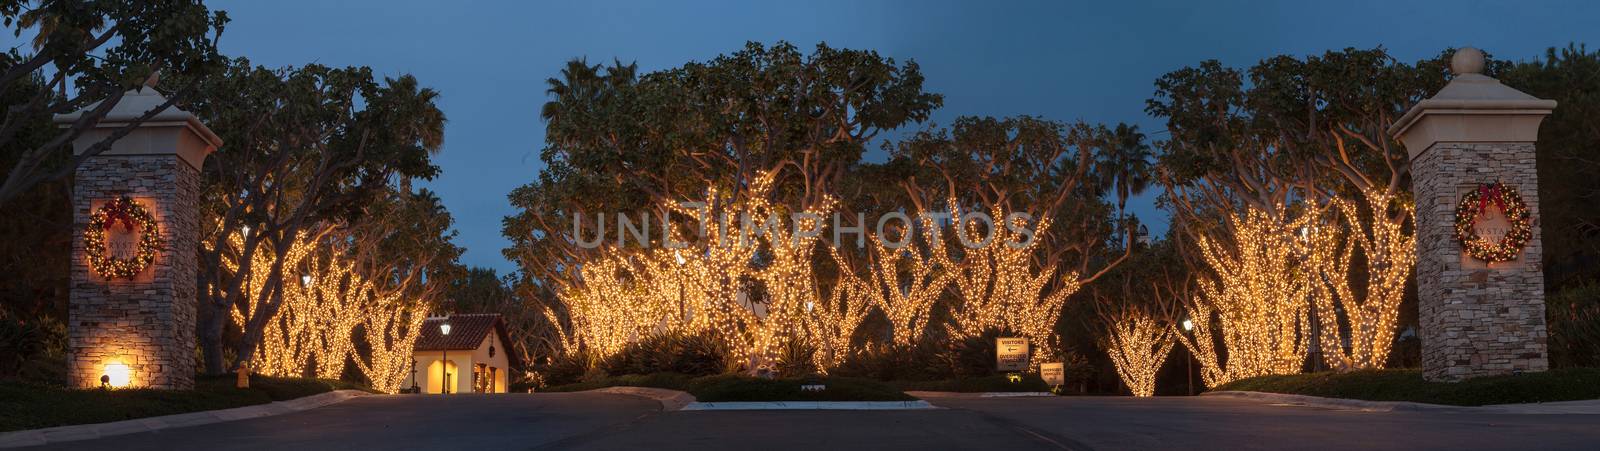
point(1188, 325)
point(444, 364)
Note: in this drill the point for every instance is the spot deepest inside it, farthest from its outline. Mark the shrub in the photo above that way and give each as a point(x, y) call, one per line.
point(695, 355)
point(885, 362)
point(971, 356)
point(23, 342)
point(564, 368)
point(794, 360)
point(1575, 326)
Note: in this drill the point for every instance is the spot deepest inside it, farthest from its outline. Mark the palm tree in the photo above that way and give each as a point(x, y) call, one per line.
point(1125, 165)
point(581, 85)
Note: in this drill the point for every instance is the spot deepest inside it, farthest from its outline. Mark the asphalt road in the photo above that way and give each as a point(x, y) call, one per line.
point(605, 421)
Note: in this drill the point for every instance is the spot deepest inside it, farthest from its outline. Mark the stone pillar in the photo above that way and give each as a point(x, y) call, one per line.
point(1478, 318)
point(138, 330)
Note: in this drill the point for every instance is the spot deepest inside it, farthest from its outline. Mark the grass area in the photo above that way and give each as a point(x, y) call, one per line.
point(995, 383)
point(732, 388)
point(1569, 384)
point(31, 406)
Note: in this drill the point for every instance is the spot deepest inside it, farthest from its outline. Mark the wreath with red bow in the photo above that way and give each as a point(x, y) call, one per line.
point(1474, 204)
point(131, 216)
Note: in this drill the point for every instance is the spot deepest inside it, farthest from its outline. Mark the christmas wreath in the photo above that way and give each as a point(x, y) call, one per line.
point(1474, 204)
point(133, 217)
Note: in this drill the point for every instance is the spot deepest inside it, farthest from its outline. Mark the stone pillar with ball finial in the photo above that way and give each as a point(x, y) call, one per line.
point(131, 317)
point(1480, 283)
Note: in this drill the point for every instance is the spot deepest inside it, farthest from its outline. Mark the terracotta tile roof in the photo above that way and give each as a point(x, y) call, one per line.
point(466, 332)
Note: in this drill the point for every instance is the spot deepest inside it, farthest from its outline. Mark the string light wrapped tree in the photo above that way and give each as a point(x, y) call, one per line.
point(1138, 344)
point(906, 283)
point(1030, 175)
point(1389, 251)
point(1259, 290)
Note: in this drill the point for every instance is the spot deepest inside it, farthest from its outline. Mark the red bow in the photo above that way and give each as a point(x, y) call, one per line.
point(1490, 192)
point(119, 213)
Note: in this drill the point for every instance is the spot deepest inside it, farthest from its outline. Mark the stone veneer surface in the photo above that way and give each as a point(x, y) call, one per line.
point(1477, 319)
point(146, 323)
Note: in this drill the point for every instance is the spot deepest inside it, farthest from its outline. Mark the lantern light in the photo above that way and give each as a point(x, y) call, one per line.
point(444, 328)
point(1188, 324)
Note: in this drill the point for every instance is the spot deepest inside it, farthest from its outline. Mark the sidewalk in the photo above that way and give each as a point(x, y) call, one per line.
point(1589, 407)
point(58, 434)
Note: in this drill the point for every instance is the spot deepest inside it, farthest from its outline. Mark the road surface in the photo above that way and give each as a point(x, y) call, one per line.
point(607, 421)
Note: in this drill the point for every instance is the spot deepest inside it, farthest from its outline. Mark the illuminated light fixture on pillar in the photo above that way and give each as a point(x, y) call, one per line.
point(117, 375)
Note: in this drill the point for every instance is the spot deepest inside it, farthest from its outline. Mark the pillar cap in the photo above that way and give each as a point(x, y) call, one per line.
point(1472, 108)
point(134, 104)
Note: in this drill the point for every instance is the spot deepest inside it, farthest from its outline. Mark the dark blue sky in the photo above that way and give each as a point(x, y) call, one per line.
point(1062, 60)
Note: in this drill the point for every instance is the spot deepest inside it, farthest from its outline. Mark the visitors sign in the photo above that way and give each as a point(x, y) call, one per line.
point(1011, 354)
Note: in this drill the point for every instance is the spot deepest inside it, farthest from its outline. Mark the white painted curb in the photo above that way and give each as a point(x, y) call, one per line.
point(1024, 394)
point(58, 434)
point(812, 405)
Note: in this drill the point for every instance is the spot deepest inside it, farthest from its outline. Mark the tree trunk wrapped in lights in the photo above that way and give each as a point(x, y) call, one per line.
point(1201, 342)
point(1138, 344)
point(626, 295)
point(1000, 286)
point(610, 309)
point(908, 304)
point(1369, 323)
point(391, 325)
point(789, 281)
point(1259, 291)
point(832, 322)
point(291, 335)
point(313, 331)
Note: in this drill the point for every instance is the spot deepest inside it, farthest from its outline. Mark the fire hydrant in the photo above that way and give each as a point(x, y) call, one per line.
point(244, 377)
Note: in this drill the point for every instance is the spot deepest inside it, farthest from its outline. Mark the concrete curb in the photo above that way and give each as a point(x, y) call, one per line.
point(671, 400)
point(812, 405)
point(1550, 408)
point(58, 434)
point(951, 394)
